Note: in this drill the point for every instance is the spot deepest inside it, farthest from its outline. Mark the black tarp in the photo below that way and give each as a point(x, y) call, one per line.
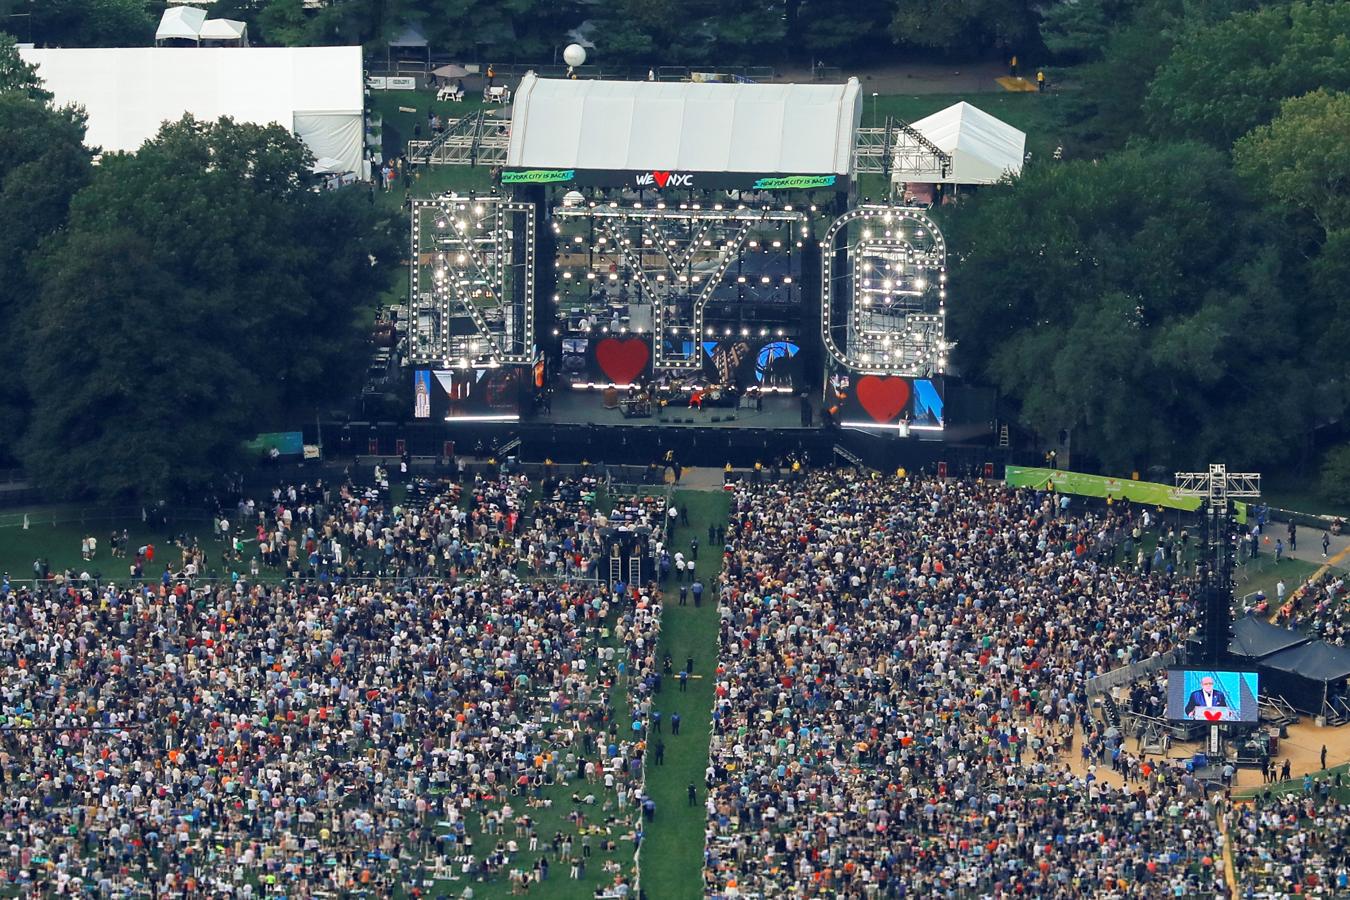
point(1306, 675)
point(1315, 661)
point(1254, 638)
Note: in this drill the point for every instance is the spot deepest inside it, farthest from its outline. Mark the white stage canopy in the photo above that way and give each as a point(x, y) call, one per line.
point(128, 93)
point(644, 127)
point(983, 148)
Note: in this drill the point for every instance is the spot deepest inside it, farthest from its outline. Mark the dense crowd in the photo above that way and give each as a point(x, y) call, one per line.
point(903, 665)
point(1294, 844)
point(329, 733)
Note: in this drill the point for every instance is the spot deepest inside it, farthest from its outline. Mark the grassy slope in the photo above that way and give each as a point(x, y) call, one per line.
point(672, 855)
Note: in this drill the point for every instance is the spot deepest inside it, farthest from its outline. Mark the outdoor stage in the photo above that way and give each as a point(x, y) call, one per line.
point(779, 411)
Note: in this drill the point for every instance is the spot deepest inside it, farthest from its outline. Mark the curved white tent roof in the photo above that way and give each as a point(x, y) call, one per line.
point(983, 148)
point(637, 126)
point(129, 92)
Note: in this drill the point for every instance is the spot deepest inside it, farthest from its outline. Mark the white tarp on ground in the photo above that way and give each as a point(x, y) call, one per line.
point(983, 148)
point(684, 127)
point(128, 93)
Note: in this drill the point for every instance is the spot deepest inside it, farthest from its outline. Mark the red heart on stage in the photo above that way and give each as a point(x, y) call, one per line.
point(622, 360)
point(1213, 715)
point(883, 398)
point(661, 178)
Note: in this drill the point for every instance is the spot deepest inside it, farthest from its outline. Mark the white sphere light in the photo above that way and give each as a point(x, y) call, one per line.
point(574, 55)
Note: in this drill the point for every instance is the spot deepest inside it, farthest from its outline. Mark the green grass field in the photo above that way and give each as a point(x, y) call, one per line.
point(672, 855)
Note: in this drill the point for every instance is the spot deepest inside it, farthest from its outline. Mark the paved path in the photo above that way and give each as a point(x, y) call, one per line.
point(918, 78)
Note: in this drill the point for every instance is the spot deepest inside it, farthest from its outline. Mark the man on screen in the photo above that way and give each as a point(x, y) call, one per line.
point(1205, 698)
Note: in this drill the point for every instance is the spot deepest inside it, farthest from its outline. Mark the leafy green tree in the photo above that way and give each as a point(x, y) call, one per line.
point(1303, 157)
point(81, 23)
point(1223, 80)
point(43, 162)
point(1336, 475)
point(138, 389)
point(963, 25)
point(1128, 300)
point(17, 75)
point(249, 287)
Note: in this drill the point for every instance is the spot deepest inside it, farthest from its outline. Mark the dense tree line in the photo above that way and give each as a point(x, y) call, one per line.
point(162, 305)
point(638, 32)
point(1176, 290)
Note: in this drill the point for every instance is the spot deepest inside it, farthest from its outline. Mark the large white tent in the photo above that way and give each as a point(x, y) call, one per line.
point(640, 126)
point(983, 148)
point(128, 93)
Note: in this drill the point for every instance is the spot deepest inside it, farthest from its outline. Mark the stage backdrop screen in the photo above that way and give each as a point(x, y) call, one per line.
point(1211, 695)
point(467, 393)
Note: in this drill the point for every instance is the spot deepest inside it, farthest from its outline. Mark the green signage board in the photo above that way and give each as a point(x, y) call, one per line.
point(539, 176)
point(793, 182)
point(1149, 492)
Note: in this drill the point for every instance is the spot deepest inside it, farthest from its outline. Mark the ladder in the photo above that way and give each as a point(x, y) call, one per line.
point(635, 569)
point(849, 456)
point(1003, 435)
point(615, 567)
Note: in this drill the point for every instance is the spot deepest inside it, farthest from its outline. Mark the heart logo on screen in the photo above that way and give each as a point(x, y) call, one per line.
point(622, 360)
point(661, 178)
point(1213, 715)
point(883, 398)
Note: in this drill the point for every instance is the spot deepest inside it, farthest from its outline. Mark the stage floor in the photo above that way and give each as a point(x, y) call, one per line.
point(587, 408)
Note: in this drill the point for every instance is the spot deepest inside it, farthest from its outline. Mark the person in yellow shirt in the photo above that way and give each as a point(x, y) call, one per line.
point(1040, 80)
point(1012, 66)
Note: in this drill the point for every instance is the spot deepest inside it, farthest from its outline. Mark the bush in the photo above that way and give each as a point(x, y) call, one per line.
point(1336, 475)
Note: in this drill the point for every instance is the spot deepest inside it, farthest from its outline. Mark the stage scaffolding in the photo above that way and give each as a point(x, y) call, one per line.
point(472, 282)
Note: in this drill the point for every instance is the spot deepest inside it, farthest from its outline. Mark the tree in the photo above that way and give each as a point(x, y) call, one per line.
point(84, 23)
point(16, 75)
point(1128, 301)
point(1336, 475)
point(1303, 157)
point(43, 162)
point(963, 24)
point(1223, 80)
point(248, 286)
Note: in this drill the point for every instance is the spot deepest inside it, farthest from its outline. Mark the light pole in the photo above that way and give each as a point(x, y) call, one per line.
point(874, 109)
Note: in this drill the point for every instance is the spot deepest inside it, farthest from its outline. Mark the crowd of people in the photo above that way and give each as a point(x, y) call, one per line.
point(1293, 844)
point(411, 710)
point(902, 674)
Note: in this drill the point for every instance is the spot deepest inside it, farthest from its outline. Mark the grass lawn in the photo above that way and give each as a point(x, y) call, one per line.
point(60, 543)
point(672, 855)
point(1293, 571)
point(1301, 493)
point(1295, 785)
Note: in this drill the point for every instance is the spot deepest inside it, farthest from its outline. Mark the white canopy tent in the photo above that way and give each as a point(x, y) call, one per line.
point(128, 93)
point(640, 126)
point(224, 30)
point(181, 23)
point(983, 148)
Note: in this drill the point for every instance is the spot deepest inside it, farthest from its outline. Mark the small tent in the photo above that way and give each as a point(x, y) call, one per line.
point(983, 148)
point(225, 31)
point(180, 23)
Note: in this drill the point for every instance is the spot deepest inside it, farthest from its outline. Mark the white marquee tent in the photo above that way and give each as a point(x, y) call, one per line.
point(983, 148)
point(684, 127)
point(128, 93)
point(189, 24)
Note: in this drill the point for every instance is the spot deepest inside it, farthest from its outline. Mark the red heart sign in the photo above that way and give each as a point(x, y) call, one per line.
point(1213, 715)
point(622, 360)
point(661, 178)
point(883, 398)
